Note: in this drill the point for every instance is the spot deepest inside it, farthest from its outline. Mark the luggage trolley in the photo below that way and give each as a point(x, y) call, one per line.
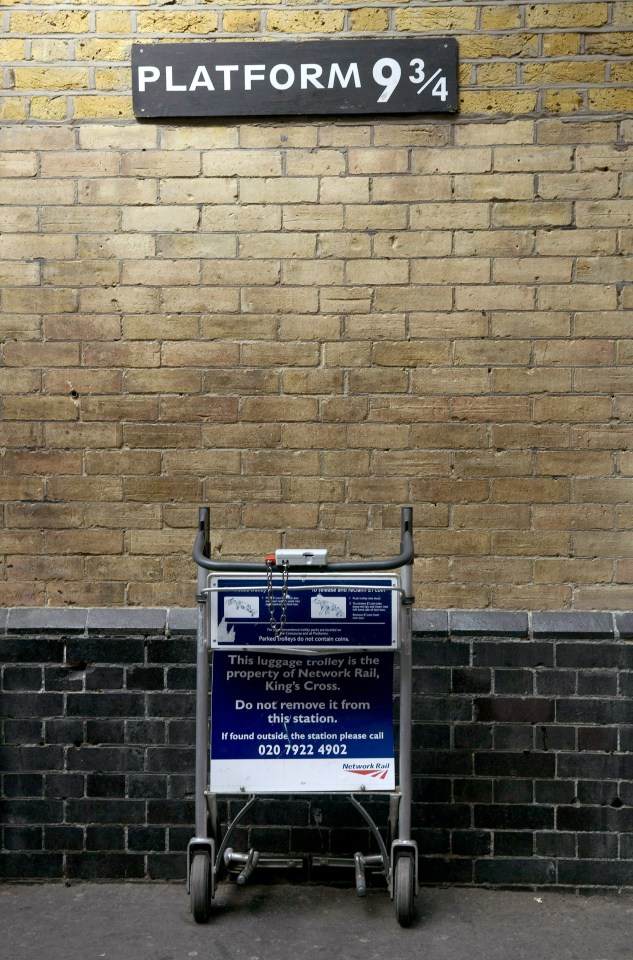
point(267, 627)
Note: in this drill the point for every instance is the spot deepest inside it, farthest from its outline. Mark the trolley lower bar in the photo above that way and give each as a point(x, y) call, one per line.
point(247, 862)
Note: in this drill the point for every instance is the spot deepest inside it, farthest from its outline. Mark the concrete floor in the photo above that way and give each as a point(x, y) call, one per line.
point(302, 921)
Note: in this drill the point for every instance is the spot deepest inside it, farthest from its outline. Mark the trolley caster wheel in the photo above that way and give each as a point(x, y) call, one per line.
point(200, 887)
point(404, 890)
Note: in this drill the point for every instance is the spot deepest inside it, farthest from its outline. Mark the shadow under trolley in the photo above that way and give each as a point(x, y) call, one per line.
point(302, 651)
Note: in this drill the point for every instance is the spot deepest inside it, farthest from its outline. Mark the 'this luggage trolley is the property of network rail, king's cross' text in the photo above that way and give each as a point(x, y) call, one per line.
point(302, 702)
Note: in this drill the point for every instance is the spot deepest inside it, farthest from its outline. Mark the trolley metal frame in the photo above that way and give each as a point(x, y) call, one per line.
point(209, 855)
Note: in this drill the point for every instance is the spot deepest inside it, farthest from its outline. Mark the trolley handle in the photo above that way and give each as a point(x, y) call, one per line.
point(201, 550)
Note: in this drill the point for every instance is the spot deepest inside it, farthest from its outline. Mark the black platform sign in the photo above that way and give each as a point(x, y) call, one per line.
point(237, 79)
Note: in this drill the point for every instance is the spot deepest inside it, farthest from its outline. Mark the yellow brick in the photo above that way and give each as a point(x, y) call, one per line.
point(50, 78)
point(611, 100)
point(48, 51)
point(563, 101)
point(513, 543)
point(389, 135)
point(531, 490)
point(527, 597)
point(108, 136)
point(19, 274)
point(411, 354)
point(498, 101)
point(619, 43)
point(450, 270)
point(241, 21)
point(490, 516)
point(49, 108)
point(244, 3)
point(176, 22)
point(571, 353)
point(602, 598)
point(606, 545)
point(118, 22)
point(320, 328)
point(244, 163)
point(501, 18)
point(448, 325)
point(32, 300)
point(540, 213)
point(563, 71)
point(507, 186)
point(383, 160)
point(561, 44)
point(497, 74)
point(95, 50)
point(490, 410)
point(60, 21)
point(112, 78)
point(11, 50)
point(578, 186)
point(466, 75)
point(494, 298)
point(535, 158)
point(622, 72)
point(437, 18)
point(494, 569)
point(486, 134)
point(561, 15)
point(186, 137)
point(622, 13)
point(306, 21)
point(288, 135)
point(533, 269)
point(578, 571)
point(577, 297)
point(99, 107)
point(369, 20)
point(564, 131)
point(506, 45)
point(530, 380)
point(12, 108)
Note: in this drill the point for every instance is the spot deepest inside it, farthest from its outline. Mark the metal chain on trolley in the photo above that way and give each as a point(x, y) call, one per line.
point(277, 627)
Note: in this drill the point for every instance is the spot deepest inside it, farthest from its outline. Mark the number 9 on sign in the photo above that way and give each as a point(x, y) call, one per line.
point(387, 74)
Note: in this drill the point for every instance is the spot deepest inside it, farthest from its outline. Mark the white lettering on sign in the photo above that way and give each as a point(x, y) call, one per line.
point(147, 75)
point(169, 81)
point(336, 73)
point(253, 71)
point(201, 78)
point(310, 72)
point(227, 71)
point(281, 76)
point(387, 73)
point(274, 76)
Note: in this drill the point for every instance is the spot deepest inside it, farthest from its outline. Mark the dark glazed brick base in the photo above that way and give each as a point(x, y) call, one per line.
point(522, 761)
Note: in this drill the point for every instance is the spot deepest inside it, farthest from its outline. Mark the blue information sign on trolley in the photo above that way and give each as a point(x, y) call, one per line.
point(308, 611)
point(300, 723)
point(319, 715)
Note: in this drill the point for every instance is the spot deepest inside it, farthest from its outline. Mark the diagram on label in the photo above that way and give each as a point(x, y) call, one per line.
point(241, 608)
point(328, 608)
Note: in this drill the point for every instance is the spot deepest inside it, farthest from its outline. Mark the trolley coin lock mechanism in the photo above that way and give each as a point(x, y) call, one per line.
point(301, 558)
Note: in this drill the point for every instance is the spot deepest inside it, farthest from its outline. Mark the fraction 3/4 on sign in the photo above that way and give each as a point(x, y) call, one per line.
point(387, 73)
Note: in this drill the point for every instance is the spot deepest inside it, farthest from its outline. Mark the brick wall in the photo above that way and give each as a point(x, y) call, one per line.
point(304, 323)
point(522, 751)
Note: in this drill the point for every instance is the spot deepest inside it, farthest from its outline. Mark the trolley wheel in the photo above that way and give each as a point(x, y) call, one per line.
point(404, 890)
point(200, 887)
